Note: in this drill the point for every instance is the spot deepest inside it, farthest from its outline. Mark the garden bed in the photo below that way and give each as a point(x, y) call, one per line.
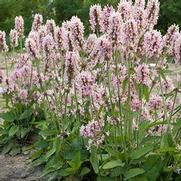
point(92, 107)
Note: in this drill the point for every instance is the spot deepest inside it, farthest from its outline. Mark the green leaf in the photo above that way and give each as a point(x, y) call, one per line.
point(133, 173)
point(7, 148)
point(167, 141)
point(153, 166)
point(15, 151)
point(50, 152)
point(24, 132)
point(94, 161)
point(26, 114)
point(84, 171)
point(100, 178)
point(36, 154)
point(13, 130)
point(8, 116)
point(136, 154)
point(146, 92)
point(112, 164)
point(46, 133)
point(76, 162)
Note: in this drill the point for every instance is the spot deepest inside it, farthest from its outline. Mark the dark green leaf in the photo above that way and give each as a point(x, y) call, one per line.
point(13, 130)
point(84, 171)
point(94, 161)
point(112, 164)
point(133, 173)
point(138, 153)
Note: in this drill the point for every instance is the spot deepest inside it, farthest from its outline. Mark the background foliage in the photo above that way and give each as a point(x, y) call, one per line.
point(64, 9)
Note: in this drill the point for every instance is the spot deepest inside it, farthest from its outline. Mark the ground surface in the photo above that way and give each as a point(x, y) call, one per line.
point(17, 169)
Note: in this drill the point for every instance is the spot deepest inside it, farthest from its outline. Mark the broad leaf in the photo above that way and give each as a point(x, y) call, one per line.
point(112, 164)
point(133, 173)
point(13, 130)
point(136, 154)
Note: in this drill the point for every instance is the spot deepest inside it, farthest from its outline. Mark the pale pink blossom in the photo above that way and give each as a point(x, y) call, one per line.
point(42, 33)
point(169, 105)
point(177, 49)
point(125, 8)
point(72, 65)
point(85, 82)
point(104, 20)
point(97, 95)
point(152, 44)
point(23, 95)
point(155, 102)
point(90, 43)
point(139, 16)
point(145, 114)
point(142, 74)
point(102, 50)
point(173, 43)
point(152, 11)
point(23, 60)
point(95, 15)
point(14, 38)
point(50, 24)
point(19, 25)
point(114, 29)
point(61, 38)
point(37, 22)
point(158, 130)
point(129, 36)
point(93, 131)
point(49, 48)
point(3, 45)
point(135, 103)
point(96, 141)
point(31, 47)
point(168, 38)
point(76, 33)
point(36, 37)
point(167, 85)
point(140, 3)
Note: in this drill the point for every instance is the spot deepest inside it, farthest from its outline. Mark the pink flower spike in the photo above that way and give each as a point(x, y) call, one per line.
point(95, 15)
point(19, 25)
point(3, 45)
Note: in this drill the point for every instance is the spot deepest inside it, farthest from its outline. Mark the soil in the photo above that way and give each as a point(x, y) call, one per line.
point(16, 168)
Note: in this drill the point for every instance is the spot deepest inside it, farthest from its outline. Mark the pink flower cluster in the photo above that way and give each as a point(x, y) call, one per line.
point(93, 131)
point(102, 50)
point(142, 74)
point(152, 44)
point(14, 38)
point(37, 22)
point(72, 66)
point(85, 83)
point(3, 45)
point(95, 14)
point(32, 44)
point(155, 102)
point(19, 25)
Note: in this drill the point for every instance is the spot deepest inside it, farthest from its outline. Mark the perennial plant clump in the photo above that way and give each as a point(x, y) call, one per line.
point(103, 106)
